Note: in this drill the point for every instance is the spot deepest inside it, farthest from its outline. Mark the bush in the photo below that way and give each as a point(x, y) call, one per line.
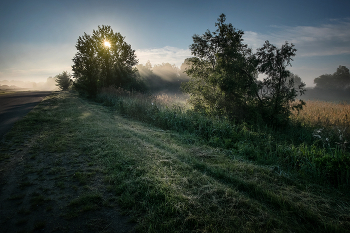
point(64, 81)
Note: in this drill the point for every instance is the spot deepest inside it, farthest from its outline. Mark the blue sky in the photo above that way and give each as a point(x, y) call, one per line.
point(37, 38)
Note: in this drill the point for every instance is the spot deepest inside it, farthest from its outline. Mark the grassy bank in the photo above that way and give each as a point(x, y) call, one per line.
point(314, 149)
point(167, 181)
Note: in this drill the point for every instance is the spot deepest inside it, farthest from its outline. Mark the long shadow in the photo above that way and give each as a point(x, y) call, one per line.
point(248, 188)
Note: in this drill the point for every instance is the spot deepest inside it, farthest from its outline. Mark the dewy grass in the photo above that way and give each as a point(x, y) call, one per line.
point(175, 182)
point(300, 148)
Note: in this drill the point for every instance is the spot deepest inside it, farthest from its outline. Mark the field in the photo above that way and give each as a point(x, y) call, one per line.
point(150, 165)
point(329, 120)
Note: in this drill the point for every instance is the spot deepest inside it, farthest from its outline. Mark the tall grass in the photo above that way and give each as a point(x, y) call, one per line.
point(311, 148)
point(329, 120)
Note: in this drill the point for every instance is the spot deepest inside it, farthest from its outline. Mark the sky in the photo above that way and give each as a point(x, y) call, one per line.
point(38, 37)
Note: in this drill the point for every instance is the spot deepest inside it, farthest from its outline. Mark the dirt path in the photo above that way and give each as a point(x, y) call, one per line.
point(44, 190)
point(16, 105)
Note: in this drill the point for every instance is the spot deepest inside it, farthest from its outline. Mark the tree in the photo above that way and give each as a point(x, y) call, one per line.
point(224, 75)
point(296, 80)
point(184, 66)
point(278, 91)
point(221, 71)
point(64, 81)
point(104, 59)
point(338, 80)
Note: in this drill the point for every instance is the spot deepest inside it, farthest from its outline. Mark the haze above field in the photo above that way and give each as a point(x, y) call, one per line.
point(38, 37)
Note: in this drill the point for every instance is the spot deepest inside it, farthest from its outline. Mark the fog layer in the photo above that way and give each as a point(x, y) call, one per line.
point(49, 85)
point(163, 78)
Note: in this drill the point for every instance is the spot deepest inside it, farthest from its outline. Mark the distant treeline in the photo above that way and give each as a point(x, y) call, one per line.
point(331, 87)
point(49, 85)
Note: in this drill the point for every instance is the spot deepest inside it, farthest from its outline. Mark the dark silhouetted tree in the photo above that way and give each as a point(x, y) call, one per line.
point(278, 90)
point(104, 59)
point(64, 81)
point(296, 80)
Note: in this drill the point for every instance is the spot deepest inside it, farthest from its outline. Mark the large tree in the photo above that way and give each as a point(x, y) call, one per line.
point(104, 59)
point(224, 76)
point(222, 72)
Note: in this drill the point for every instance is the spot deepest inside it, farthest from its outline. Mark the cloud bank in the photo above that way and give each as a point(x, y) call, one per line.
point(325, 40)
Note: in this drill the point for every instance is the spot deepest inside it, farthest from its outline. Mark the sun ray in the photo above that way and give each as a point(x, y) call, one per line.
point(107, 44)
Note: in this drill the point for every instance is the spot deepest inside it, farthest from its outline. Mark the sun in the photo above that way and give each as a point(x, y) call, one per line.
point(107, 44)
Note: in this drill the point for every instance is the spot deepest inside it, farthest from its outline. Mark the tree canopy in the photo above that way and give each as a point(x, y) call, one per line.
point(338, 80)
point(104, 59)
point(224, 77)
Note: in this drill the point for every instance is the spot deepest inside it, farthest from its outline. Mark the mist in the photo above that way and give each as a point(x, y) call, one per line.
point(331, 87)
point(163, 78)
point(18, 85)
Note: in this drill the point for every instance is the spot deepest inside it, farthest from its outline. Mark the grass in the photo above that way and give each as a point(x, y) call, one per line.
point(84, 203)
point(5, 92)
point(318, 151)
point(181, 181)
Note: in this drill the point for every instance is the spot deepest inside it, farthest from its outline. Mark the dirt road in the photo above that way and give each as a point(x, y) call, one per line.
point(16, 105)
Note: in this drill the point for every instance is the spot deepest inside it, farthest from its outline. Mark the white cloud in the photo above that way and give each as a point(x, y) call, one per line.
point(324, 40)
point(166, 54)
point(320, 49)
point(253, 39)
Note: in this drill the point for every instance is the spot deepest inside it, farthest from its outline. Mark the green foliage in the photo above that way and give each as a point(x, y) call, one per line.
point(104, 59)
point(63, 80)
point(277, 91)
point(224, 80)
point(339, 80)
point(222, 74)
point(295, 148)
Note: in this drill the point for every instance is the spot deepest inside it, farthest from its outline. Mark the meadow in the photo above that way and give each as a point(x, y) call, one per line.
point(315, 144)
point(74, 163)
